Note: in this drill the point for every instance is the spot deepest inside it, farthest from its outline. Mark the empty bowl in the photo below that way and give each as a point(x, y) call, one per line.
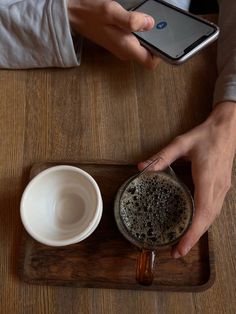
point(61, 205)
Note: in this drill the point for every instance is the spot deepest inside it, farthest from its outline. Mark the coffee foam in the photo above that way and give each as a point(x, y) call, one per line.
point(155, 209)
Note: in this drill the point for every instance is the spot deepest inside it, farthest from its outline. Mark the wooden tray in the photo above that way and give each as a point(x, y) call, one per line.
point(106, 259)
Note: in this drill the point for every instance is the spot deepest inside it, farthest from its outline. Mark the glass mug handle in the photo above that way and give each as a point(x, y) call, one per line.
point(145, 267)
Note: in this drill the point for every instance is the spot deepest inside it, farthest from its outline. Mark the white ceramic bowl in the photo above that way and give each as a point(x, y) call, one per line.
point(61, 205)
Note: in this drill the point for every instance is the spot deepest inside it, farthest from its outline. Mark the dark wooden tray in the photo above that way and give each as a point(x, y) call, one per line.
point(106, 259)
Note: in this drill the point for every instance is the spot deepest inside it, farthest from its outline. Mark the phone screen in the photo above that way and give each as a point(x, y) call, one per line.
point(174, 31)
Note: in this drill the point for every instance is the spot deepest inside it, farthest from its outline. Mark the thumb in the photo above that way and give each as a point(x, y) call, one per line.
point(129, 21)
point(176, 149)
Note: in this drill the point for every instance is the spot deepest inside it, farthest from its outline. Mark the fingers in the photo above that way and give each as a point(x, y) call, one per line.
point(207, 207)
point(176, 149)
point(130, 21)
point(109, 25)
point(127, 47)
point(202, 221)
point(141, 55)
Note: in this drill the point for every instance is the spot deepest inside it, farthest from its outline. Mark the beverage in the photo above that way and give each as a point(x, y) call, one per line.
point(155, 209)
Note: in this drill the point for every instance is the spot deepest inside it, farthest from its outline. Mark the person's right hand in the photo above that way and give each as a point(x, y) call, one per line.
point(109, 25)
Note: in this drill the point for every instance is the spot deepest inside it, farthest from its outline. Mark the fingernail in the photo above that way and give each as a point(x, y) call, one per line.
point(148, 22)
point(176, 254)
point(186, 250)
point(142, 165)
point(145, 164)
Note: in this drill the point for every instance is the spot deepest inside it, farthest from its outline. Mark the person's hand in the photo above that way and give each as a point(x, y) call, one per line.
point(109, 25)
point(210, 147)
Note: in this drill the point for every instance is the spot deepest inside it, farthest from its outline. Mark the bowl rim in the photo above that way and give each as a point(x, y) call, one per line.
point(82, 235)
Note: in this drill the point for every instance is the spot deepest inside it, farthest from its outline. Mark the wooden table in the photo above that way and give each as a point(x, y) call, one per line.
point(105, 109)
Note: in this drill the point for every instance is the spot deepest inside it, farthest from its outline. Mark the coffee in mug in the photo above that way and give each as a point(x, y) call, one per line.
point(153, 209)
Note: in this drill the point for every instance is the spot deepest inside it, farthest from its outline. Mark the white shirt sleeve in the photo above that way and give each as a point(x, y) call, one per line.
point(225, 88)
point(35, 33)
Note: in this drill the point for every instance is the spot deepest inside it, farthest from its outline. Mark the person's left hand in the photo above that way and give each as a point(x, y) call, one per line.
point(210, 147)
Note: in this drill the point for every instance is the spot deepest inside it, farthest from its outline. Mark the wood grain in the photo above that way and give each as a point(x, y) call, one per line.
point(106, 259)
point(105, 109)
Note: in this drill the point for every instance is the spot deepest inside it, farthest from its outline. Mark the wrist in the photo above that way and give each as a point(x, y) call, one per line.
point(224, 115)
point(222, 122)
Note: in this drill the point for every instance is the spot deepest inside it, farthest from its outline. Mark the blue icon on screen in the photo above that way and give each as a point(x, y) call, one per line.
point(161, 25)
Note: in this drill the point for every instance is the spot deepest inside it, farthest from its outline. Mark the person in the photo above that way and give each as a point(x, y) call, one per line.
point(38, 34)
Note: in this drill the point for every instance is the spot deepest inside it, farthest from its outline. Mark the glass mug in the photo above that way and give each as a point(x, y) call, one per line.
point(153, 209)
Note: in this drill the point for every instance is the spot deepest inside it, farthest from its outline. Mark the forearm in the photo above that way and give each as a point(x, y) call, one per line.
point(35, 34)
point(225, 89)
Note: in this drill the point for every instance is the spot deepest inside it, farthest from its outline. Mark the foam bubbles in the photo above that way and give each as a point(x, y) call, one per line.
point(155, 208)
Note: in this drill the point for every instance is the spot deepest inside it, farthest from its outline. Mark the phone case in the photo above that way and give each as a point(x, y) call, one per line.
point(197, 47)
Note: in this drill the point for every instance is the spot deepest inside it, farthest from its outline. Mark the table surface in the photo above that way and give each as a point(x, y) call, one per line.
point(105, 109)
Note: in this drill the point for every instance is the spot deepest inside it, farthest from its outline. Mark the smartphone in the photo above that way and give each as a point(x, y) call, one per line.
point(177, 34)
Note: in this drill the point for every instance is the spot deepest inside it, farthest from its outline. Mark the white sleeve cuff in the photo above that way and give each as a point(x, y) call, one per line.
point(36, 34)
point(61, 32)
